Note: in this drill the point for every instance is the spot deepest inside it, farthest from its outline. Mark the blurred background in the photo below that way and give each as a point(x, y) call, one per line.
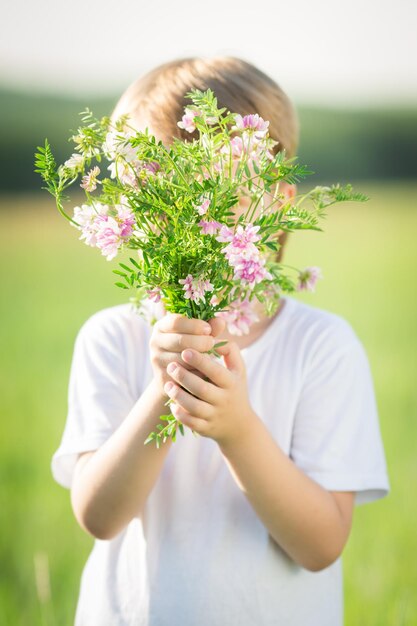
point(351, 70)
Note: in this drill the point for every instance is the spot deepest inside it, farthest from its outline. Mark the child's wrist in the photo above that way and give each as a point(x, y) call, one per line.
point(245, 435)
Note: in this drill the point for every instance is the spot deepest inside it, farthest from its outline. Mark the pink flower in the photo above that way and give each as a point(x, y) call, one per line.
point(108, 236)
point(242, 253)
point(209, 228)
point(195, 288)
point(251, 270)
point(102, 230)
point(202, 208)
point(252, 145)
point(308, 278)
point(152, 166)
point(237, 147)
point(226, 234)
point(86, 216)
point(154, 294)
point(89, 181)
point(241, 243)
point(238, 317)
point(127, 220)
point(246, 144)
point(187, 120)
point(241, 237)
point(251, 122)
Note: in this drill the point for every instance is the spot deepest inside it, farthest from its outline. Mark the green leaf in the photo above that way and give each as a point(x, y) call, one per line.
point(220, 343)
point(121, 285)
point(150, 438)
point(273, 245)
point(146, 258)
point(134, 263)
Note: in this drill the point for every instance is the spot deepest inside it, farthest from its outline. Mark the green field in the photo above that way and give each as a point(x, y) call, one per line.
point(51, 283)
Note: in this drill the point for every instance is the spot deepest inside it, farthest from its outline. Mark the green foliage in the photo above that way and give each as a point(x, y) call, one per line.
point(165, 432)
point(46, 166)
point(325, 196)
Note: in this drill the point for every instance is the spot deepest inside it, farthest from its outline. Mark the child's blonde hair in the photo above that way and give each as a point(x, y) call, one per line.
point(158, 98)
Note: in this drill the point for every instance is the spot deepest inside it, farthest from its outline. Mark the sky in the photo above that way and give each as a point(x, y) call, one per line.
point(324, 52)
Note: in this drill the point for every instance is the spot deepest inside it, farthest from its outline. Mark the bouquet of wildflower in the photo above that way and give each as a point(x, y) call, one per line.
point(174, 207)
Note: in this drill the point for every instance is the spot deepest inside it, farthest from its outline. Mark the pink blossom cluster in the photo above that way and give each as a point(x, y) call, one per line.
point(250, 146)
point(104, 228)
point(242, 253)
point(195, 288)
point(154, 294)
point(203, 206)
point(239, 316)
point(252, 122)
point(89, 181)
point(209, 227)
point(252, 140)
point(187, 120)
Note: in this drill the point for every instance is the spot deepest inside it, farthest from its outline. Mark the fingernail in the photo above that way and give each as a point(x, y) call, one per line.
point(207, 330)
point(187, 354)
point(168, 387)
point(171, 368)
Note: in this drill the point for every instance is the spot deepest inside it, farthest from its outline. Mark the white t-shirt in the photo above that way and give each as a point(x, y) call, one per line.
point(200, 555)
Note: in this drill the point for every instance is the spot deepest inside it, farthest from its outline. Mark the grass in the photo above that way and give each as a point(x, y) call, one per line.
point(52, 283)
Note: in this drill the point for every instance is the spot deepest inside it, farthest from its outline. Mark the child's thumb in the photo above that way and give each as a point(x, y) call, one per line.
point(232, 357)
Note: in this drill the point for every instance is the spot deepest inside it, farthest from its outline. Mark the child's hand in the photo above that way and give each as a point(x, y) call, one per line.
point(172, 334)
point(219, 407)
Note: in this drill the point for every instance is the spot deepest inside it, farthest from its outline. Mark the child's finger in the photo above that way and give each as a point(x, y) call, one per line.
point(195, 423)
point(176, 342)
point(217, 326)
point(194, 384)
point(232, 357)
point(218, 374)
point(177, 323)
point(193, 405)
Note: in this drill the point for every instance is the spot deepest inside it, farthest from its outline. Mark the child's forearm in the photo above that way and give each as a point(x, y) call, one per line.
point(114, 484)
point(301, 516)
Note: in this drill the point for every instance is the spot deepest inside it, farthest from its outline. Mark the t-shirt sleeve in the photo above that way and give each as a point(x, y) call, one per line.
point(336, 437)
point(99, 397)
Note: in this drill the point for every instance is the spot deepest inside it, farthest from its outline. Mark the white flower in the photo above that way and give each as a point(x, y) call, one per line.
point(75, 162)
point(117, 144)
